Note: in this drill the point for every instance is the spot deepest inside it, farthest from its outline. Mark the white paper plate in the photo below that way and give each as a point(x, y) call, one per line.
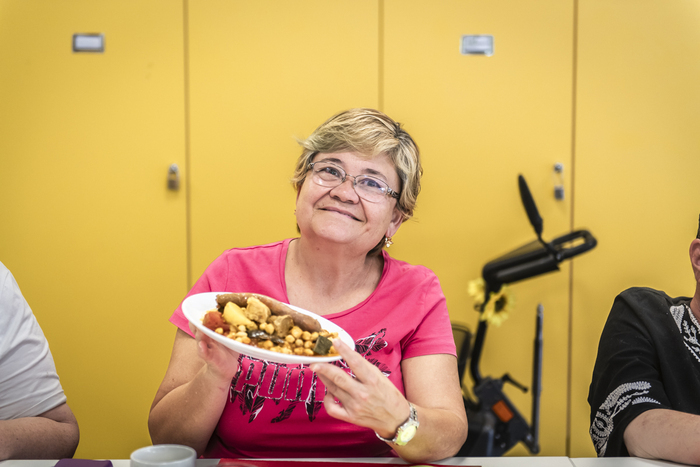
point(195, 306)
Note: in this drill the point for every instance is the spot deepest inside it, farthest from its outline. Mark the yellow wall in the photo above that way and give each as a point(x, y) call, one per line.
point(96, 242)
point(480, 121)
point(260, 77)
point(104, 252)
point(637, 164)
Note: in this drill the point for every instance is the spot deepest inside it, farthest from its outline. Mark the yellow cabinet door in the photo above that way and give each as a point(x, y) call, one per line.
point(93, 236)
point(262, 74)
point(637, 165)
point(480, 121)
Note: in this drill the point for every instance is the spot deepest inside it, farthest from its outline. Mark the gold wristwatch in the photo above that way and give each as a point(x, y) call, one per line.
point(406, 431)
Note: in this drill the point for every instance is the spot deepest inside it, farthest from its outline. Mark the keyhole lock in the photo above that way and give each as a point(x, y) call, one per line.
point(174, 177)
point(559, 183)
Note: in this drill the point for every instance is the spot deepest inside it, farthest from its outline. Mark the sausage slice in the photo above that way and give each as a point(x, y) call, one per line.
point(305, 322)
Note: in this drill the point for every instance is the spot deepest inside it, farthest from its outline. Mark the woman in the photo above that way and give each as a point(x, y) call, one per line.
point(357, 181)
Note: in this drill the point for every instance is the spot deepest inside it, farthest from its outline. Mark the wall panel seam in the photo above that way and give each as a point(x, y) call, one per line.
point(569, 371)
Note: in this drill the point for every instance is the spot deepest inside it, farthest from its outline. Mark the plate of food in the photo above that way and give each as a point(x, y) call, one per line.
point(265, 328)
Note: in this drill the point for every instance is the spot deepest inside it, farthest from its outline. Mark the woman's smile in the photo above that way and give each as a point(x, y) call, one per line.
point(341, 211)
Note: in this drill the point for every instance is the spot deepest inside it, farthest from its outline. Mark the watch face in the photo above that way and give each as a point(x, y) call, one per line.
point(406, 434)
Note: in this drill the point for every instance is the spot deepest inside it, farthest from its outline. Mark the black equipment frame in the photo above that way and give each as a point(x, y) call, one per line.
point(495, 424)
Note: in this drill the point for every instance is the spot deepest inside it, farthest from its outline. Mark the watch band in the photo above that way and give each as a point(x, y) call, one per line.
point(406, 431)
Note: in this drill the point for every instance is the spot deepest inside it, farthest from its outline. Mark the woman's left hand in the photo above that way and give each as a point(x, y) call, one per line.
point(370, 399)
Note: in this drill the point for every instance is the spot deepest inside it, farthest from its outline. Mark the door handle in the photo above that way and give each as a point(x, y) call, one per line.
point(174, 177)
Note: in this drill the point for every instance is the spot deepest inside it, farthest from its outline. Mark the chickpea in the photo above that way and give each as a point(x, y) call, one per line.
point(219, 330)
point(241, 328)
point(298, 351)
point(269, 328)
point(314, 336)
point(289, 338)
point(296, 332)
point(306, 335)
point(334, 335)
point(241, 334)
point(286, 351)
point(267, 345)
point(308, 344)
point(299, 343)
point(245, 340)
point(332, 351)
point(324, 333)
point(308, 353)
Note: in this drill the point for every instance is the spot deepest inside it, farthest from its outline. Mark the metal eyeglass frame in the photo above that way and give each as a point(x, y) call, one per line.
point(389, 190)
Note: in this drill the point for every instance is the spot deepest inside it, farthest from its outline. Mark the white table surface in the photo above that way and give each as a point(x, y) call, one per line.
point(477, 461)
point(465, 461)
point(533, 461)
point(619, 462)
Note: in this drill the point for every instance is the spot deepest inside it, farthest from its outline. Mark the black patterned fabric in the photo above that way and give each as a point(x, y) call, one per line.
point(648, 358)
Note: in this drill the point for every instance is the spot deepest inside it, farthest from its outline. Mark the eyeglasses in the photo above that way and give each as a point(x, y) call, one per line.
point(367, 187)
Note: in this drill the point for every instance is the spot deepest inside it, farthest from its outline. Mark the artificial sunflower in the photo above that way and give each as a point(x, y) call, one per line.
point(498, 305)
point(476, 290)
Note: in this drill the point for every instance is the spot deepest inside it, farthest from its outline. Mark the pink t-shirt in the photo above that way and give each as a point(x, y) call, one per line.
point(276, 410)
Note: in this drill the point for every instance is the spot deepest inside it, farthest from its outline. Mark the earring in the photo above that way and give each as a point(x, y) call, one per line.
point(388, 242)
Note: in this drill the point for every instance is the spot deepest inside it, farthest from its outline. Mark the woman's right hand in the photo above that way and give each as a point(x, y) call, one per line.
point(194, 391)
point(221, 361)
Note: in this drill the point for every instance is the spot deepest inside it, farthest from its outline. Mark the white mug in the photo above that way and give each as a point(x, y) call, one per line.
point(164, 455)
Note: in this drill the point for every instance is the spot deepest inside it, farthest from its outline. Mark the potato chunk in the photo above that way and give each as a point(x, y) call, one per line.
point(234, 315)
point(257, 310)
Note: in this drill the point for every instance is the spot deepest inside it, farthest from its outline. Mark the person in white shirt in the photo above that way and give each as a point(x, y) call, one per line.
point(35, 420)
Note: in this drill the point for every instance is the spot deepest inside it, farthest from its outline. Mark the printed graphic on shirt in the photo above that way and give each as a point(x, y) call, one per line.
point(616, 402)
point(677, 312)
point(689, 328)
point(288, 386)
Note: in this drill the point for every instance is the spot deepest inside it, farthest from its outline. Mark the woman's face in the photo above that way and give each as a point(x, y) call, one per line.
point(338, 214)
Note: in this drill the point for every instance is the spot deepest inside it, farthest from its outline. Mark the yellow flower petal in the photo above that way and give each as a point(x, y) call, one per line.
point(476, 290)
point(499, 306)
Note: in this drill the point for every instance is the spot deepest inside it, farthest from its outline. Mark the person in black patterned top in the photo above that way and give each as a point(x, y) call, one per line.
point(645, 390)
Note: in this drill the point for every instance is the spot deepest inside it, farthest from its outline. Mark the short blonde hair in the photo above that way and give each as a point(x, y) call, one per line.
point(371, 133)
